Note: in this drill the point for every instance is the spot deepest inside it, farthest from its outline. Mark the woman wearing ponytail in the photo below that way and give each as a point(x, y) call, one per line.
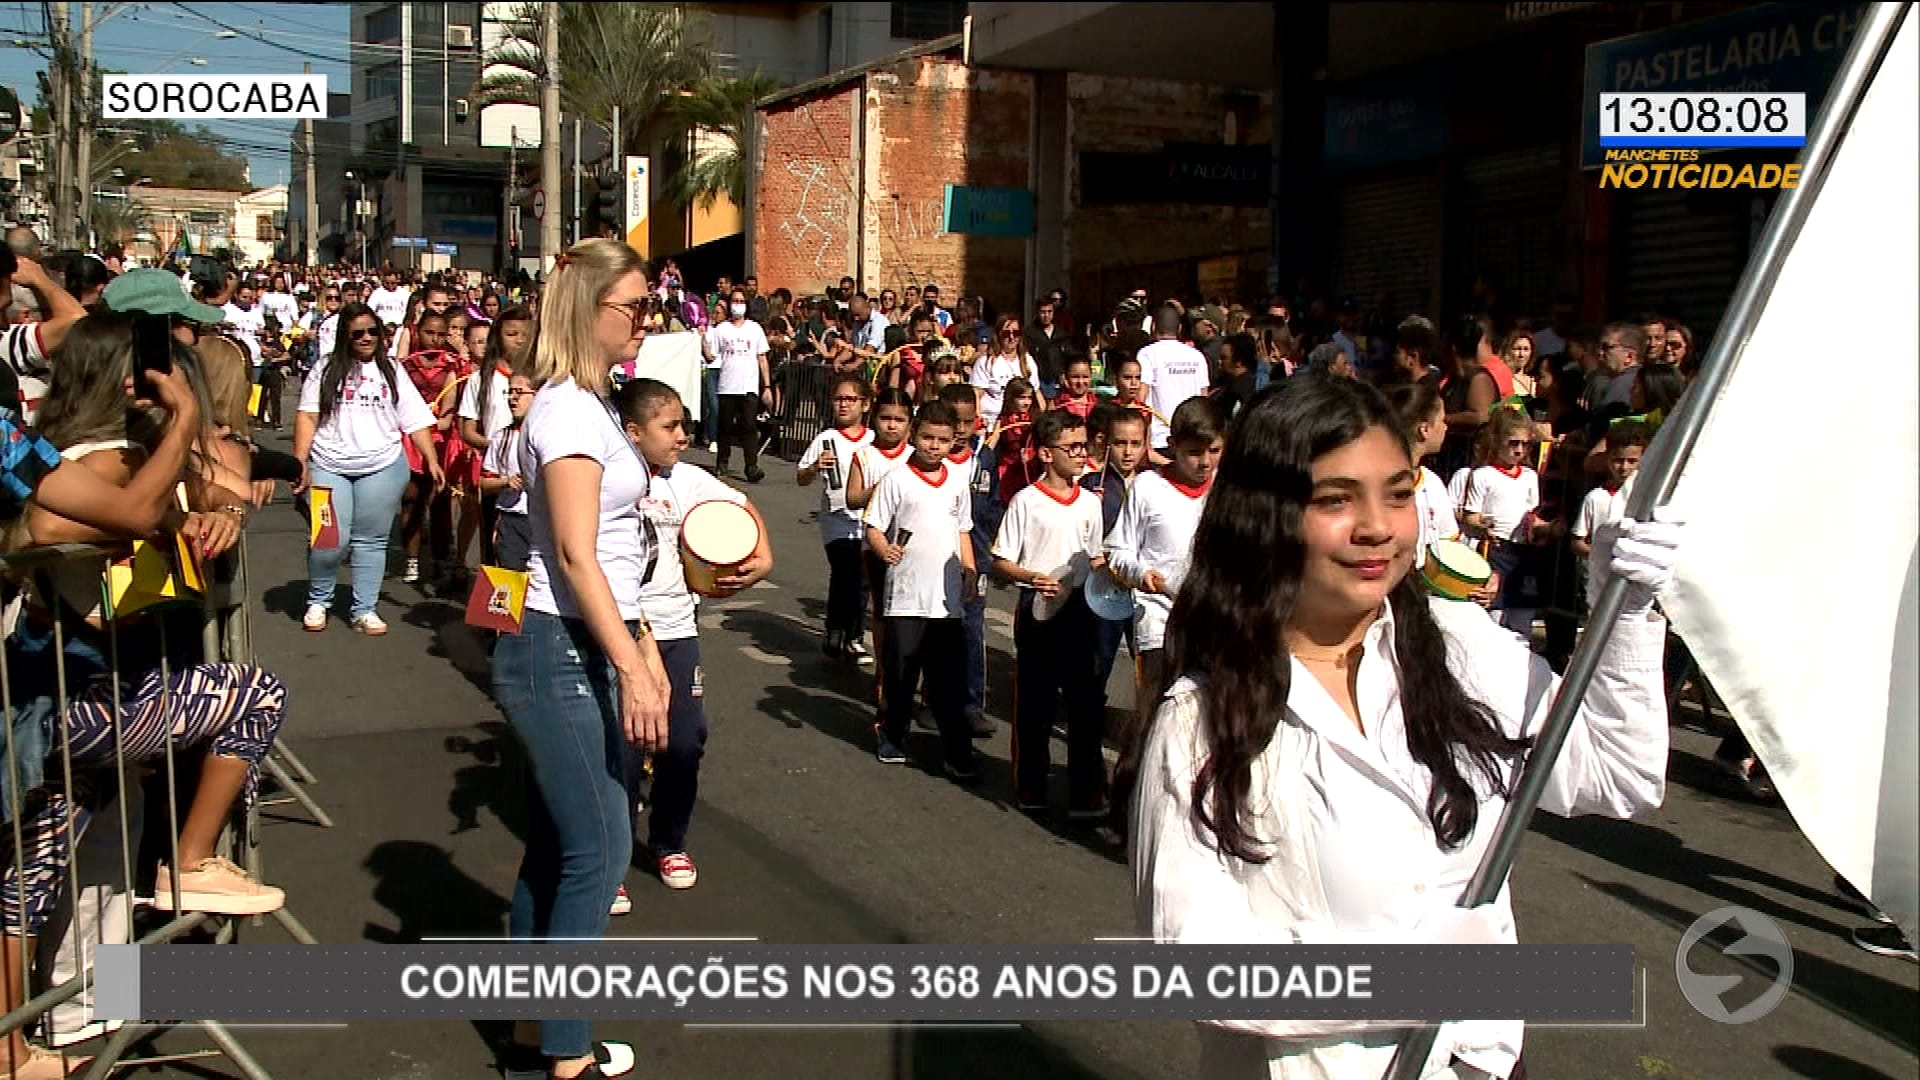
point(1347, 793)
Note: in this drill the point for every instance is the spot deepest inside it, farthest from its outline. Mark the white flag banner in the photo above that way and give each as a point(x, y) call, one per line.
point(1797, 593)
point(674, 359)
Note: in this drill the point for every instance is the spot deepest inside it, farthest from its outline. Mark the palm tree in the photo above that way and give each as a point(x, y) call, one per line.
point(717, 112)
point(117, 218)
point(640, 57)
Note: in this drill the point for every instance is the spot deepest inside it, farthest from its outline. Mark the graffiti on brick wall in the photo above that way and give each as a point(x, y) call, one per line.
point(917, 220)
point(818, 223)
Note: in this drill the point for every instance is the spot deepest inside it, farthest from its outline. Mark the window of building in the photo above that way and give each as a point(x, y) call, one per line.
point(263, 229)
point(383, 82)
point(384, 25)
point(926, 21)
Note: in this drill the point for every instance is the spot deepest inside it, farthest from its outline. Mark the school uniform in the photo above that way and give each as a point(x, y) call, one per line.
point(1435, 508)
point(672, 609)
point(1055, 643)
point(513, 534)
point(1602, 506)
point(1111, 487)
point(924, 633)
point(841, 533)
point(1509, 497)
point(980, 463)
point(1155, 531)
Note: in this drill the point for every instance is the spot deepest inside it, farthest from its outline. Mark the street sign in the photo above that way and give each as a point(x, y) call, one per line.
point(9, 116)
point(539, 205)
point(446, 249)
point(419, 242)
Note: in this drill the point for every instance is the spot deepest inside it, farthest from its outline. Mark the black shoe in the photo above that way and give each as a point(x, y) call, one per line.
point(1858, 901)
point(1885, 941)
point(924, 720)
point(831, 647)
point(983, 728)
point(754, 476)
point(965, 775)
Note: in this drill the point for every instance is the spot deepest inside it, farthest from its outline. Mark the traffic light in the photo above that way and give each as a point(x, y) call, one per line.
point(607, 209)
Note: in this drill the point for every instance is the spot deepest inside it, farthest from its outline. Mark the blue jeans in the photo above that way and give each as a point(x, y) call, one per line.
point(709, 402)
point(560, 694)
point(365, 507)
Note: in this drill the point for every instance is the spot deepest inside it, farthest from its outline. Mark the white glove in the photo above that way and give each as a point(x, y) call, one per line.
point(1646, 553)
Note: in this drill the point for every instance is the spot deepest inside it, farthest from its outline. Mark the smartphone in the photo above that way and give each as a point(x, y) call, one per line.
point(152, 350)
point(901, 536)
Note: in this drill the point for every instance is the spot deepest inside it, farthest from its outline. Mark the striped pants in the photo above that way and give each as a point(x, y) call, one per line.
point(231, 710)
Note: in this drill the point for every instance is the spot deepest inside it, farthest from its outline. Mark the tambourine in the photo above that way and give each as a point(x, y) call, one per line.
point(1109, 599)
point(715, 538)
point(1454, 571)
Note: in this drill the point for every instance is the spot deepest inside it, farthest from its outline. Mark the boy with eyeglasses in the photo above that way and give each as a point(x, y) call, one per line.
point(1049, 541)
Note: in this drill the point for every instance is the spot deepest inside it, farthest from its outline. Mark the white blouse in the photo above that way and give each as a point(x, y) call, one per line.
point(1354, 856)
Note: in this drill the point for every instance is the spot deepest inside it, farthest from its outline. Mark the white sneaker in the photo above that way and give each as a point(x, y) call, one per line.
point(677, 871)
point(315, 620)
point(622, 903)
point(370, 624)
point(713, 448)
point(412, 576)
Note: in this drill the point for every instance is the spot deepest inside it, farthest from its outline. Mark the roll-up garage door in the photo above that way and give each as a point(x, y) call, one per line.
point(1681, 254)
point(1389, 241)
point(1509, 229)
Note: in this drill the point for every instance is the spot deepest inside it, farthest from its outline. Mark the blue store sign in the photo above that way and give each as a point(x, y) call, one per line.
point(1778, 47)
point(1387, 119)
point(988, 211)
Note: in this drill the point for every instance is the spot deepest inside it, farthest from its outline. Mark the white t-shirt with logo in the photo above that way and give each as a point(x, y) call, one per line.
point(247, 325)
point(739, 349)
point(876, 463)
point(368, 423)
point(937, 510)
point(282, 306)
point(1505, 496)
point(1053, 536)
point(992, 374)
point(389, 304)
point(1175, 372)
point(503, 460)
point(1155, 531)
point(837, 521)
point(499, 409)
point(1435, 506)
point(670, 605)
point(1600, 507)
point(568, 420)
point(324, 337)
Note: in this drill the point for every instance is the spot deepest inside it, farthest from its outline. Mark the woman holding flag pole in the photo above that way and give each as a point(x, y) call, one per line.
point(1347, 793)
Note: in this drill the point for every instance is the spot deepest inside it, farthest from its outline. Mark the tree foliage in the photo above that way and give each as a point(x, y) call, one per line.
point(166, 153)
point(718, 113)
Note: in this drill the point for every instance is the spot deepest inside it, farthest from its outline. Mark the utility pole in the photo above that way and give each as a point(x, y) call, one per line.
point(84, 117)
point(313, 196)
point(513, 208)
point(619, 178)
point(550, 134)
point(60, 73)
point(576, 179)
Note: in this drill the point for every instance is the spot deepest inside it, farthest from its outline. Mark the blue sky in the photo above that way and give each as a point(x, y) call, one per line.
point(164, 38)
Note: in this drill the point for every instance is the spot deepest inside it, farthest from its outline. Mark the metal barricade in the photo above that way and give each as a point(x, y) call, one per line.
point(801, 388)
point(104, 909)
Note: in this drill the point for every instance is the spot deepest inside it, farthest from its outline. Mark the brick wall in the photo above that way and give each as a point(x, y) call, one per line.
point(928, 122)
point(805, 199)
point(932, 122)
point(1105, 244)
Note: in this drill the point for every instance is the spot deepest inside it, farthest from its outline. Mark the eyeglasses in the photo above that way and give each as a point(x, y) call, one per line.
point(848, 400)
point(1071, 449)
point(515, 394)
point(636, 310)
point(367, 332)
point(1519, 442)
point(331, 296)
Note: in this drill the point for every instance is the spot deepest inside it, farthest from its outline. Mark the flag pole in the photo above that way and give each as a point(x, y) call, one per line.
point(1660, 471)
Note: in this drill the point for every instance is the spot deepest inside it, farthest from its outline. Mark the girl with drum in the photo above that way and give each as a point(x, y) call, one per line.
point(1347, 793)
point(700, 527)
point(583, 678)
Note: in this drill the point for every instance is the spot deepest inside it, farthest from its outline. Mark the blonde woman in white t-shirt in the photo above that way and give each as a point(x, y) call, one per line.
point(1004, 360)
point(354, 411)
point(584, 674)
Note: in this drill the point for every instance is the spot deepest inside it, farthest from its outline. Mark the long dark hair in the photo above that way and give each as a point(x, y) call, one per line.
point(334, 376)
point(1239, 594)
point(496, 352)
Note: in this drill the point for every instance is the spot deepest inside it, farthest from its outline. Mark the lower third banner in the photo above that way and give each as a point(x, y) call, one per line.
point(838, 983)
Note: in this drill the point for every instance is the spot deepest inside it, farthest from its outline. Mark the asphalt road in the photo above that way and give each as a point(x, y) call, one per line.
point(802, 837)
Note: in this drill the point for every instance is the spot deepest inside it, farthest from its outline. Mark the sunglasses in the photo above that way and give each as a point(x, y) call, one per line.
point(1519, 442)
point(636, 311)
point(368, 332)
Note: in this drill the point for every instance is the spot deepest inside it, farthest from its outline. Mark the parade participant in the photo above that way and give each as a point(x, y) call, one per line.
point(484, 410)
point(434, 370)
point(1076, 386)
point(1012, 441)
point(355, 412)
point(1049, 541)
point(1626, 442)
point(1003, 360)
point(1347, 793)
point(1122, 436)
point(975, 456)
point(1423, 416)
point(583, 677)
point(654, 420)
point(1500, 500)
point(918, 523)
point(1148, 548)
point(829, 458)
point(745, 385)
point(501, 481)
point(892, 420)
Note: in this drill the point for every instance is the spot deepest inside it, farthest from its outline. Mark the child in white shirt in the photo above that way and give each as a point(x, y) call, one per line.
point(500, 478)
point(829, 458)
point(1148, 547)
point(918, 523)
point(655, 422)
point(1049, 542)
point(1626, 442)
point(1501, 498)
